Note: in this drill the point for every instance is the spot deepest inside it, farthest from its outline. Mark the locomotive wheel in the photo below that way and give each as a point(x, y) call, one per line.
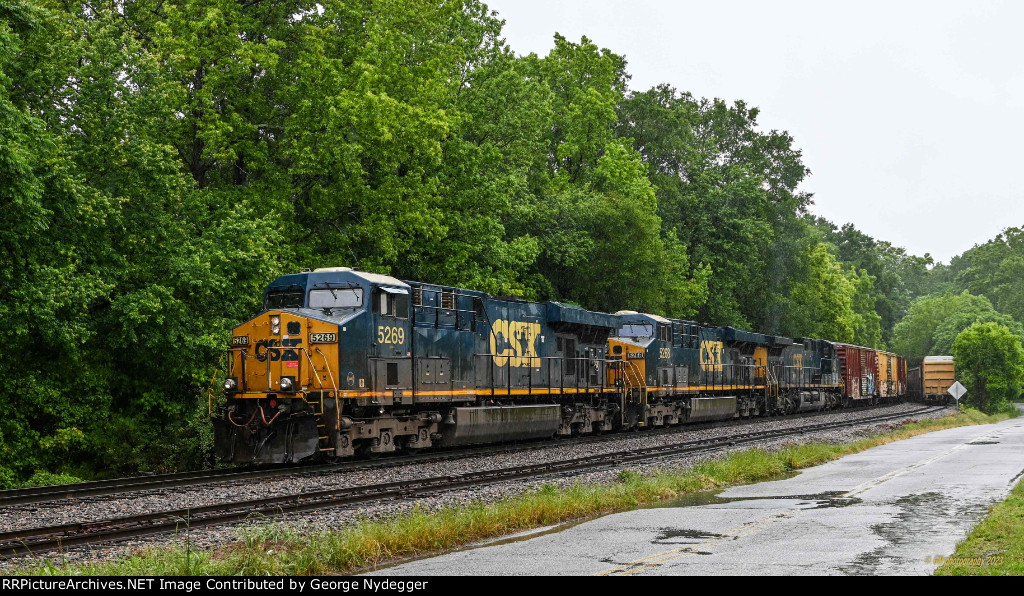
point(406, 449)
point(367, 453)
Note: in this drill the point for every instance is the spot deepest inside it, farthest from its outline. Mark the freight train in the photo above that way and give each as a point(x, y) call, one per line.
point(343, 362)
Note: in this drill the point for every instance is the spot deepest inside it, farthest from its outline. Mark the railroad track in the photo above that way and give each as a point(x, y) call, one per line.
point(44, 539)
point(116, 486)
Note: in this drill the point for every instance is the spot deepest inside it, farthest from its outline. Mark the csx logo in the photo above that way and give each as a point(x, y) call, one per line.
point(514, 343)
point(288, 355)
point(711, 355)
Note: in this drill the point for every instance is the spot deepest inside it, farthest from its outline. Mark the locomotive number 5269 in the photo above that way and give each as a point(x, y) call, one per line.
point(390, 335)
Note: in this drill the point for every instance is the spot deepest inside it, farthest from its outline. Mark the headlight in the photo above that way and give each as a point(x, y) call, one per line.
point(287, 384)
point(230, 384)
point(275, 325)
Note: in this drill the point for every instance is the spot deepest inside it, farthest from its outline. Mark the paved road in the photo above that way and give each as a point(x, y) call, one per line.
point(887, 510)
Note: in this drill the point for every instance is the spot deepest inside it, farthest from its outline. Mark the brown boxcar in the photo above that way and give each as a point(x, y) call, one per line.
point(859, 368)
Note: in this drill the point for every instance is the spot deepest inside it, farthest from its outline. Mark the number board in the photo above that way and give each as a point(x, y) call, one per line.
point(634, 355)
point(323, 338)
point(240, 340)
point(390, 335)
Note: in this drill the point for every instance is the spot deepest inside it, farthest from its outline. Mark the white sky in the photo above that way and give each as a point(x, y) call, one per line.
point(910, 115)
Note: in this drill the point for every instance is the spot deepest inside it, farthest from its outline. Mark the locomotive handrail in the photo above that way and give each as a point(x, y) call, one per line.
point(639, 381)
point(337, 390)
point(578, 371)
point(789, 371)
point(246, 355)
point(334, 382)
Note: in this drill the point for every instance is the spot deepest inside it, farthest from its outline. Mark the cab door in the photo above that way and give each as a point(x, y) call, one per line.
point(391, 360)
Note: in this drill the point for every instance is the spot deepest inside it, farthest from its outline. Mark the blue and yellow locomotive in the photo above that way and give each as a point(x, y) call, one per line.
point(679, 371)
point(342, 361)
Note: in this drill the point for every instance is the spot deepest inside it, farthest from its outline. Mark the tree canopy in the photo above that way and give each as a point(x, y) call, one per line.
point(934, 322)
point(163, 160)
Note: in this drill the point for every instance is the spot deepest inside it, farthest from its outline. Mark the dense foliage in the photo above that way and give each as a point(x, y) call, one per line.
point(163, 160)
point(934, 322)
point(990, 363)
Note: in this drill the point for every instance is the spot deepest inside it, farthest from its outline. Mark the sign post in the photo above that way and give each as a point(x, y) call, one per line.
point(957, 391)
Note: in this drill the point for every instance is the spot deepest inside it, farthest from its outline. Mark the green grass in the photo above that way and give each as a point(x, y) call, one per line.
point(276, 550)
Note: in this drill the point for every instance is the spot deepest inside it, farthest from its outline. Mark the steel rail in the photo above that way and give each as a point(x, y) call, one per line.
point(118, 486)
point(44, 539)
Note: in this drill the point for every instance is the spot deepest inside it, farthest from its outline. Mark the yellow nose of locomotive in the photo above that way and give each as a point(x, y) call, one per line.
point(280, 374)
point(282, 353)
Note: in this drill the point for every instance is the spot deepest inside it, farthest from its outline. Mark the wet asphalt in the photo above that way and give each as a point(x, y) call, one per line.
point(888, 510)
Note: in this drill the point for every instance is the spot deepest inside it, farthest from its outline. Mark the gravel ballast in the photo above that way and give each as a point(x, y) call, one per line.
point(98, 508)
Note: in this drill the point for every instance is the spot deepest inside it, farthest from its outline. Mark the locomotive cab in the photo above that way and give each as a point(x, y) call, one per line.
point(322, 336)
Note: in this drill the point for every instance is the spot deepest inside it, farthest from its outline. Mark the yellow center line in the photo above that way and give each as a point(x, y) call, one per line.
point(868, 485)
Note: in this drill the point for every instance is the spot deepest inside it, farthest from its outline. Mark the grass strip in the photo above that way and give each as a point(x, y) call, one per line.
point(278, 550)
point(995, 546)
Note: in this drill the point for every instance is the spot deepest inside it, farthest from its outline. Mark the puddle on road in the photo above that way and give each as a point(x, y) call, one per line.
point(917, 515)
point(824, 500)
point(668, 534)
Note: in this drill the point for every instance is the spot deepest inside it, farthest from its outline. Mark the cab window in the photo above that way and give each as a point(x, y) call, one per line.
point(284, 299)
point(392, 303)
point(635, 330)
point(336, 298)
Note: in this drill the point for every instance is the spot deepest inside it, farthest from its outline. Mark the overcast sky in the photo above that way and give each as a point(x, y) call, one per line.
point(910, 115)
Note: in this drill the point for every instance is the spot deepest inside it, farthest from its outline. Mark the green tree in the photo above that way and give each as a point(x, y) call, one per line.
point(990, 363)
point(934, 322)
point(43, 294)
point(124, 275)
point(867, 329)
point(821, 305)
point(898, 278)
point(729, 192)
point(996, 270)
point(162, 160)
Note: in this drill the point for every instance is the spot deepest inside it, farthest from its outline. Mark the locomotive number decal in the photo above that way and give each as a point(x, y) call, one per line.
point(711, 355)
point(240, 340)
point(798, 360)
point(323, 338)
point(515, 343)
point(665, 353)
point(390, 335)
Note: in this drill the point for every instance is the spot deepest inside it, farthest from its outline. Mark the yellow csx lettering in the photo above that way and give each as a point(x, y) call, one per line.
point(515, 343)
point(390, 335)
point(711, 355)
